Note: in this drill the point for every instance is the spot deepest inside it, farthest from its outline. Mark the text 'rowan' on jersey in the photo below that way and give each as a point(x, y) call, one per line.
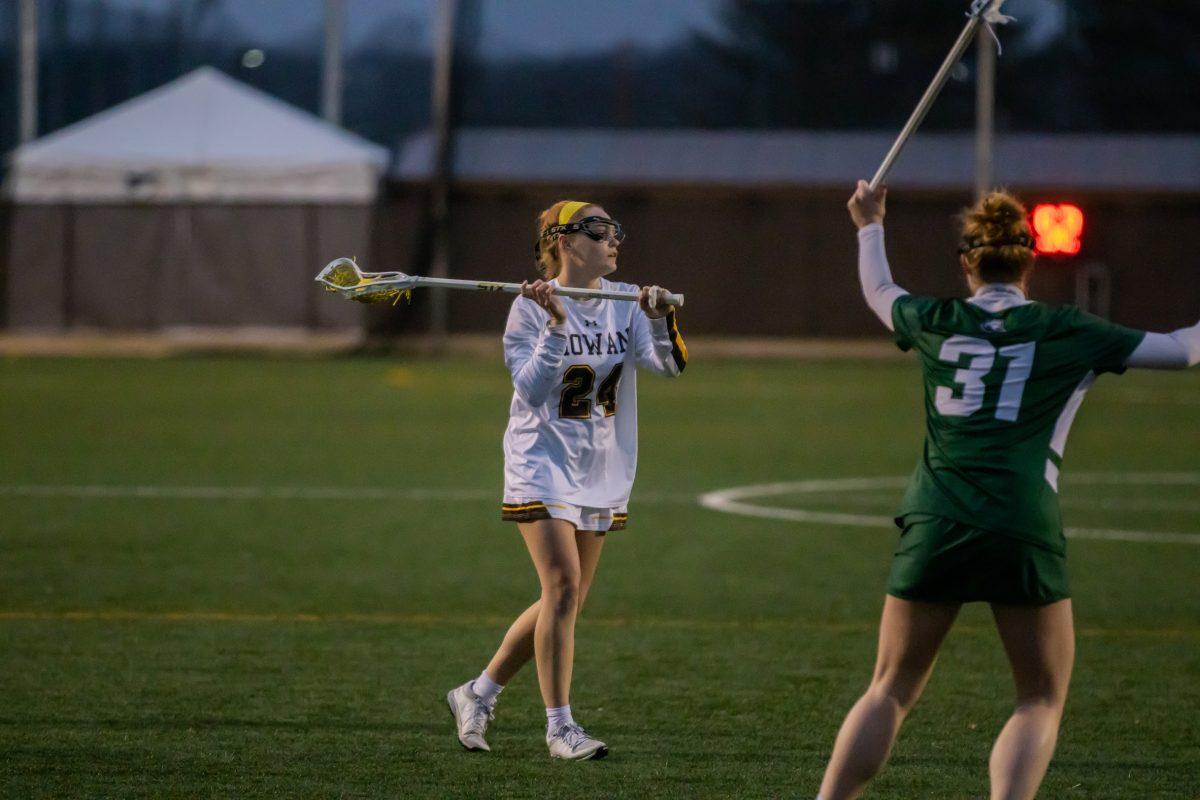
point(595, 344)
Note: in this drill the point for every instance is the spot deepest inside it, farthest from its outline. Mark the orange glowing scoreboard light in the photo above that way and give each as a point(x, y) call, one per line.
point(1057, 229)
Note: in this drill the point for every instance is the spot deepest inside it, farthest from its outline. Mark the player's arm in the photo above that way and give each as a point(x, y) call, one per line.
point(533, 350)
point(657, 343)
point(1176, 350)
point(867, 210)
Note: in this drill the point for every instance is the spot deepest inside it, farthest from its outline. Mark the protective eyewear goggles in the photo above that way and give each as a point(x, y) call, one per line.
point(595, 228)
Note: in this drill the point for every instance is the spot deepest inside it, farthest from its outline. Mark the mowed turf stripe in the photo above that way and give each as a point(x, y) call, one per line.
point(484, 620)
point(404, 619)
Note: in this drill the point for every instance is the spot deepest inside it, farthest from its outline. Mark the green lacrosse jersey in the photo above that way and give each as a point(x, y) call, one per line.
point(1001, 390)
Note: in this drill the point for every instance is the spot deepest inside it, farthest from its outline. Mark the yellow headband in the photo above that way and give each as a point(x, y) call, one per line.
point(568, 210)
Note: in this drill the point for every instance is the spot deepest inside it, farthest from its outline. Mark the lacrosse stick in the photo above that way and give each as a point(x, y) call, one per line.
point(343, 276)
point(983, 12)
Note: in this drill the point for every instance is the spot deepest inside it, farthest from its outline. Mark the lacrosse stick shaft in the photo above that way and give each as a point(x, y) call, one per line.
point(515, 288)
point(931, 93)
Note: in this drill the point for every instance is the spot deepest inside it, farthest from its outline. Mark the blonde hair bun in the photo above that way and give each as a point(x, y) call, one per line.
point(1002, 208)
point(997, 217)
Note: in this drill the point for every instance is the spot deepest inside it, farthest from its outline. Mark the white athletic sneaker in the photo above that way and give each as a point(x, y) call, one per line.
point(471, 715)
point(570, 741)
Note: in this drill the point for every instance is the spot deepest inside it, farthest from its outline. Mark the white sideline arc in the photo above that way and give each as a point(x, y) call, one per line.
point(734, 501)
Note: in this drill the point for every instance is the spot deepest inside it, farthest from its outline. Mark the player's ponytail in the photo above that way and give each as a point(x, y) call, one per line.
point(996, 241)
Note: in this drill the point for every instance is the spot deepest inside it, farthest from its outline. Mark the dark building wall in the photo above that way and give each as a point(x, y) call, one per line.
point(769, 262)
point(782, 261)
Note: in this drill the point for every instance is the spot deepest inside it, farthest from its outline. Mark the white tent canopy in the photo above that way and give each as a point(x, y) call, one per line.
point(203, 137)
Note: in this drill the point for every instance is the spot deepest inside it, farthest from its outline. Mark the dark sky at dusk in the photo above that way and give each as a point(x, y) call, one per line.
point(523, 27)
point(512, 27)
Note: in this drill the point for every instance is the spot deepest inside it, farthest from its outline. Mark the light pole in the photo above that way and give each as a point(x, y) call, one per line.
point(985, 108)
point(439, 200)
point(28, 114)
point(331, 74)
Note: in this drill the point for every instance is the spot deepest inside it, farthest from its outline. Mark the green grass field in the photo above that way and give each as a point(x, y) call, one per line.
point(190, 608)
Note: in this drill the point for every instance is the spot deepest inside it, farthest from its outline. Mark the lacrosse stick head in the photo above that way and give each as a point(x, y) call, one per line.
point(989, 12)
point(342, 275)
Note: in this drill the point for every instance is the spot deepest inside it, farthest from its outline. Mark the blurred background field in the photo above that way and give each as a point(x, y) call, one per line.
point(258, 577)
point(249, 532)
point(191, 164)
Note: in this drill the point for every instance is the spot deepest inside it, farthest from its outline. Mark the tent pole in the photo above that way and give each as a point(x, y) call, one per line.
point(70, 267)
point(312, 229)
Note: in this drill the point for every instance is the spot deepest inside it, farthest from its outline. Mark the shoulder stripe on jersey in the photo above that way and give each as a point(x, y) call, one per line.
point(678, 349)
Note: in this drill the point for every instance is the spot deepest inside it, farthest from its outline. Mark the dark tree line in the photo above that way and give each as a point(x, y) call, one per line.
point(1112, 65)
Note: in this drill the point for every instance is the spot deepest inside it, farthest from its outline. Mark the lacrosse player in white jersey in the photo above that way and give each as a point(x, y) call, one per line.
point(570, 452)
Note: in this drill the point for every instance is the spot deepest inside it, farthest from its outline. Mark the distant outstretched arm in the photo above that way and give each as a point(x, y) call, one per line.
point(1176, 350)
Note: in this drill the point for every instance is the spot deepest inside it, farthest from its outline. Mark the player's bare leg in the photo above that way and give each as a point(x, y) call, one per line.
point(552, 546)
point(473, 703)
point(1040, 643)
point(910, 634)
point(555, 552)
point(517, 647)
point(590, 543)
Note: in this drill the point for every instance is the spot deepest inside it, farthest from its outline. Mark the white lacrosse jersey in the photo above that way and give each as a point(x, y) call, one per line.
point(572, 428)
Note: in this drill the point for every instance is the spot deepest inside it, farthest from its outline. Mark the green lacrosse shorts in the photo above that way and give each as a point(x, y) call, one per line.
point(939, 560)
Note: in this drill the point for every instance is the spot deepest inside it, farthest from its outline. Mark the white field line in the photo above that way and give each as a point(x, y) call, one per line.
point(242, 493)
point(885, 500)
point(1155, 397)
point(734, 501)
point(727, 500)
point(1118, 504)
point(101, 492)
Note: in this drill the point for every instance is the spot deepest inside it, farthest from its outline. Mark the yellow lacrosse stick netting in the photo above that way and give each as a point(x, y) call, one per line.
point(344, 276)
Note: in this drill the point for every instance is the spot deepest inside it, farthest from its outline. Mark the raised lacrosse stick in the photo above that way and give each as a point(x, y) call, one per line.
point(343, 276)
point(983, 12)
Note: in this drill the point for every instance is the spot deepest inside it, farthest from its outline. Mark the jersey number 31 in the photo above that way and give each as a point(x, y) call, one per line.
point(967, 396)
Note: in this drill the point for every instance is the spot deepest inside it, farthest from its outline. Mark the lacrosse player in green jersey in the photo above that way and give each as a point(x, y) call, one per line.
point(1003, 377)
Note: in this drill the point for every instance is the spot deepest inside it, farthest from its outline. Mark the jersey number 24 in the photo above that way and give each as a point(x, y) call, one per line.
point(967, 396)
point(575, 402)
